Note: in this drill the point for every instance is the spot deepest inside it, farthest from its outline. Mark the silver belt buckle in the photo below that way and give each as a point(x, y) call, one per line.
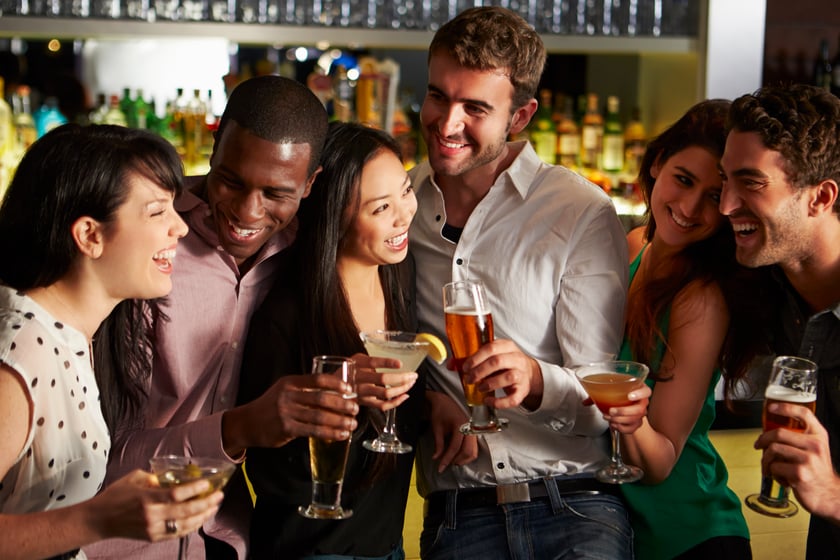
point(512, 493)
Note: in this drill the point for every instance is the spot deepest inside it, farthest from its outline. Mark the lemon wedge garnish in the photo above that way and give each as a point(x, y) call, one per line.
point(437, 350)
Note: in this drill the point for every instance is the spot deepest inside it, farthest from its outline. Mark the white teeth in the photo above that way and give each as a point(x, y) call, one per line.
point(678, 221)
point(744, 228)
point(166, 255)
point(398, 240)
point(450, 144)
point(245, 232)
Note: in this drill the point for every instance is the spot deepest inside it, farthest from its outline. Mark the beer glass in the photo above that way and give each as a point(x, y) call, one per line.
point(608, 384)
point(792, 380)
point(328, 458)
point(469, 325)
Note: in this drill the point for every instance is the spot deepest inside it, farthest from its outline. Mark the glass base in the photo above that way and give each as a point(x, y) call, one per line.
point(620, 474)
point(314, 511)
point(380, 445)
point(772, 508)
point(478, 430)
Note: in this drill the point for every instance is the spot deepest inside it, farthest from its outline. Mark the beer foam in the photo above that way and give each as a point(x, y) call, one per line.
point(787, 394)
point(456, 310)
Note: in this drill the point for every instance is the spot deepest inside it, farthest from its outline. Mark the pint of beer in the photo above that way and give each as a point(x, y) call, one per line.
point(328, 458)
point(469, 325)
point(467, 330)
point(792, 380)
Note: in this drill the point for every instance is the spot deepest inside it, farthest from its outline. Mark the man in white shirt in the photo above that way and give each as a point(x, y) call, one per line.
point(552, 255)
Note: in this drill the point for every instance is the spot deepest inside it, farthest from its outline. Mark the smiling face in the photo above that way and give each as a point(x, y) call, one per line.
point(378, 234)
point(140, 242)
point(467, 116)
point(768, 214)
point(254, 188)
point(685, 197)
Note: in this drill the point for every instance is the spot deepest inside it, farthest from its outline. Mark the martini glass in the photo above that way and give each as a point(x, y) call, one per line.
point(404, 347)
point(608, 384)
point(174, 470)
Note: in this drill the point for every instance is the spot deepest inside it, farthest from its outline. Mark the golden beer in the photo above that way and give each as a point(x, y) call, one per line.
point(467, 331)
point(777, 394)
point(327, 459)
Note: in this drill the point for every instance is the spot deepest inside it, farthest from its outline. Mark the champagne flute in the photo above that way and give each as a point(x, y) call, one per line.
point(469, 325)
point(792, 380)
point(405, 347)
point(328, 458)
point(174, 470)
point(608, 384)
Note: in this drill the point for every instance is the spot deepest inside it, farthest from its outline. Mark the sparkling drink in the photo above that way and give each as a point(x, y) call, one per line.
point(467, 331)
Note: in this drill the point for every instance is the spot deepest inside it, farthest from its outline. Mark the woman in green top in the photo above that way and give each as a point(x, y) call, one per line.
point(683, 316)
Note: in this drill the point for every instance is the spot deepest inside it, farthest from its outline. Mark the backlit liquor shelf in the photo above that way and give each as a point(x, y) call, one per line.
point(272, 34)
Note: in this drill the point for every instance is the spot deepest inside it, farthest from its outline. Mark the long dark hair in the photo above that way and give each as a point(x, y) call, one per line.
point(706, 261)
point(76, 171)
point(325, 217)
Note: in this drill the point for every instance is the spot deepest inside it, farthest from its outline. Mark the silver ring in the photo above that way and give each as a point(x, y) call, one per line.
point(171, 528)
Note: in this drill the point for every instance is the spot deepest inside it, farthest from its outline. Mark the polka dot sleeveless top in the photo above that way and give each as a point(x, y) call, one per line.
point(66, 451)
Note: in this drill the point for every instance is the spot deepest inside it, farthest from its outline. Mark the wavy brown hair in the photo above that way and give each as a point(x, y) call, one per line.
point(711, 260)
point(493, 38)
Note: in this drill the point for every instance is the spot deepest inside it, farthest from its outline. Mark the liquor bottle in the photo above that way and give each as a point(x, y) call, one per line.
point(140, 111)
point(568, 136)
point(115, 115)
point(7, 155)
point(542, 134)
point(25, 133)
point(635, 142)
point(127, 107)
point(612, 147)
point(97, 115)
point(823, 74)
point(48, 116)
point(591, 133)
point(343, 96)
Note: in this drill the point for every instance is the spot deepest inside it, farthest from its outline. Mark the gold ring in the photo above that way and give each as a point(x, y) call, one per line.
point(171, 528)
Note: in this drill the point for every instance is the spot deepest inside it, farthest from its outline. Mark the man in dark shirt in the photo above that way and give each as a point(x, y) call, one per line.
point(781, 171)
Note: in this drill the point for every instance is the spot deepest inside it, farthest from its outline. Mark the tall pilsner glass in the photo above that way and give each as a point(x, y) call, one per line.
point(328, 458)
point(469, 325)
point(792, 380)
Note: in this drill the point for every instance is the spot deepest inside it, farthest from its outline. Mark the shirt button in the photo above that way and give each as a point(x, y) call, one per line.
point(459, 261)
point(234, 345)
point(438, 217)
point(500, 465)
point(219, 248)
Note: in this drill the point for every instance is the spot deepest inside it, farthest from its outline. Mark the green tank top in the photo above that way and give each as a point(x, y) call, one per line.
point(694, 503)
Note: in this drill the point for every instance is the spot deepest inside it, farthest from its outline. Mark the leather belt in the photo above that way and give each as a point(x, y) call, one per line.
point(516, 493)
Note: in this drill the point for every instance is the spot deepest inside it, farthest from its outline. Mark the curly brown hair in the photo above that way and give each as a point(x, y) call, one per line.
point(490, 38)
point(802, 123)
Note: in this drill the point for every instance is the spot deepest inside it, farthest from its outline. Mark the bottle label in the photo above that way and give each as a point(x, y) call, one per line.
point(613, 157)
point(568, 145)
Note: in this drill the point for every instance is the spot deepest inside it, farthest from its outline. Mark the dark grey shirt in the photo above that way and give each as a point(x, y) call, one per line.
point(816, 336)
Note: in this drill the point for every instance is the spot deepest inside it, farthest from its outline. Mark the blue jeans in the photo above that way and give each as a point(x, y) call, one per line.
point(558, 527)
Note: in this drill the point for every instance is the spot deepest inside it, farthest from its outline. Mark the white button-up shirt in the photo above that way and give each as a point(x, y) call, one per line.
point(552, 255)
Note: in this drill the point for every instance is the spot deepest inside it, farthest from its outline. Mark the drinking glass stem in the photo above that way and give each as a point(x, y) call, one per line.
point(389, 432)
point(616, 450)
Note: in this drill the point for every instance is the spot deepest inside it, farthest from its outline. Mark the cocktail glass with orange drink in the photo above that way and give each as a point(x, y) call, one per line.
point(608, 384)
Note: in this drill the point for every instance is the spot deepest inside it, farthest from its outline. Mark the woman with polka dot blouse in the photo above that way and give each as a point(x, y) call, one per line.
point(87, 231)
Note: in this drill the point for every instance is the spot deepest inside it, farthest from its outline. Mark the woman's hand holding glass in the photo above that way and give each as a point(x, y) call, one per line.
point(136, 507)
point(382, 391)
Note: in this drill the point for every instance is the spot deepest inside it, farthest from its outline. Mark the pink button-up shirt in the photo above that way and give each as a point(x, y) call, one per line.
point(195, 375)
